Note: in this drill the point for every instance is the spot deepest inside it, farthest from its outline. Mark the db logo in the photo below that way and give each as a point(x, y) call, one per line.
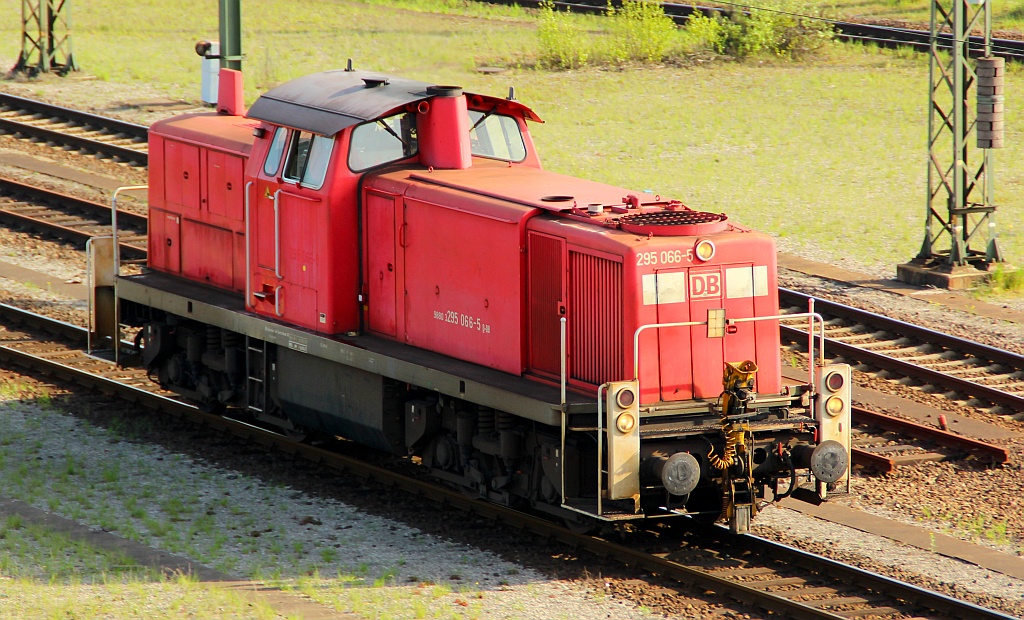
point(705, 285)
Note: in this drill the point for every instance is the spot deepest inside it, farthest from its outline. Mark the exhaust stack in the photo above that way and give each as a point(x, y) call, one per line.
point(230, 99)
point(443, 127)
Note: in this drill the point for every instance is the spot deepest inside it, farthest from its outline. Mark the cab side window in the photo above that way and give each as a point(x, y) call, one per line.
point(308, 156)
point(496, 136)
point(273, 161)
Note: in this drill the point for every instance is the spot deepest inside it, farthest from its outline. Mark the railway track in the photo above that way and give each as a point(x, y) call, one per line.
point(880, 443)
point(884, 36)
point(754, 572)
point(69, 218)
point(988, 375)
point(73, 129)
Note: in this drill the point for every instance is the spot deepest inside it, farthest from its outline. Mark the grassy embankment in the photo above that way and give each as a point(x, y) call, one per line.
point(826, 154)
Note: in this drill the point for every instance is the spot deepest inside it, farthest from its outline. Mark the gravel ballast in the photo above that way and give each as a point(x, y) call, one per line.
point(238, 524)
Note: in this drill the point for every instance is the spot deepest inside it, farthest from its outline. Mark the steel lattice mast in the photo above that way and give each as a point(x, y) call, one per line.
point(960, 191)
point(45, 38)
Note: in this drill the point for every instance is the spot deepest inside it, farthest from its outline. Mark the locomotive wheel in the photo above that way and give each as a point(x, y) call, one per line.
point(581, 526)
point(210, 406)
point(296, 434)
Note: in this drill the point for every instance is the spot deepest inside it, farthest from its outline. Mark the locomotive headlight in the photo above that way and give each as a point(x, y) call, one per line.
point(625, 422)
point(834, 405)
point(705, 250)
point(625, 398)
point(834, 381)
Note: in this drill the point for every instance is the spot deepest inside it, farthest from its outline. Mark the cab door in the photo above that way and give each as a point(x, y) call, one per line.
point(670, 291)
point(381, 267)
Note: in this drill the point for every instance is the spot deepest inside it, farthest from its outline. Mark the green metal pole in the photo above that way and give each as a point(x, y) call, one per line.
point(231, 34)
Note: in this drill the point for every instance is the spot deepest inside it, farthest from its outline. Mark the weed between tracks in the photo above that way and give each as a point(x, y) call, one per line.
point(979, 526)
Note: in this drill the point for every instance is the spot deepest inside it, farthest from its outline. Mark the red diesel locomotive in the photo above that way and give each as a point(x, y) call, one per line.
point(386, 260)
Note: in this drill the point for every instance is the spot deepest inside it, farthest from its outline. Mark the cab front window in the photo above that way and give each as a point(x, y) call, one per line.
point(308, 156)
point(383, 141)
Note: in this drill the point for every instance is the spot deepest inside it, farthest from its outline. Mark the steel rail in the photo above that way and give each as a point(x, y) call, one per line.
point(967, 387)
point(660, 564)
point(976, 349)
point(883, 464)
point(132, 130)
point(107, 126)
point(995, 454)
point(927, 375)
point(100, 213)
point(865, 578)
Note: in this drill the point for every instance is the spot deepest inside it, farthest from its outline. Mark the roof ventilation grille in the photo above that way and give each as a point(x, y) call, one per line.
point(664, 223)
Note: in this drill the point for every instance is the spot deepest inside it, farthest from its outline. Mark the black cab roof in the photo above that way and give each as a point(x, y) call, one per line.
point(327, 102)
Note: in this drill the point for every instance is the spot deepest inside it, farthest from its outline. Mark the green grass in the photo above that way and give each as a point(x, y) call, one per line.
point(828, 154)
point(47, 574)
point(27, 598)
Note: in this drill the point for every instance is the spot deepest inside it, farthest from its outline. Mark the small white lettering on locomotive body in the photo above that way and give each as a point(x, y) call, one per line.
point(462, 320)
point(664, 257)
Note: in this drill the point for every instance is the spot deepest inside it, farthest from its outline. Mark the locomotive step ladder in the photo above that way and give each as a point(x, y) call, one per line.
point(256, 374)
point(601, 508)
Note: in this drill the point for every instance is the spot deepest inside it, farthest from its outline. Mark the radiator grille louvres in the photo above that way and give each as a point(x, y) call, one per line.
point(595, 318)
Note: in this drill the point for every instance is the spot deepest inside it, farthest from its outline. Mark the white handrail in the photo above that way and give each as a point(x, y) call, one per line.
point(248, 236)
point(600, 443)
point(811, 316)
point(113, 223)
point(117, 265)
point(561, 328)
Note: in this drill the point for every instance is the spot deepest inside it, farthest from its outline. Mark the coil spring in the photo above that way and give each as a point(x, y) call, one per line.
point(506, 421)
point(485, 421)
point(230, 339)
point(212, 338)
